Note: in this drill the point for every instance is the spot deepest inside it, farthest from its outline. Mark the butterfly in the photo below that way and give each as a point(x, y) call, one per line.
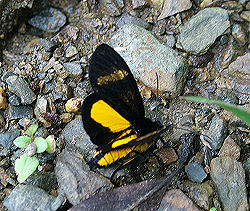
point(113, 115)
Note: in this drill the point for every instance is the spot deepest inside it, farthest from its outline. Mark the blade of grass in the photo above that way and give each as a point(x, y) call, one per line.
point(243, 114)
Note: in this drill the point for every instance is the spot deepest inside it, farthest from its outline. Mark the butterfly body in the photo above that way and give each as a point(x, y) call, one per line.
point(113, 116)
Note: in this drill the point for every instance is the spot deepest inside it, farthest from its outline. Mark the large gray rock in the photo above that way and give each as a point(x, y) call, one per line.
point(200, 32)
point(145, 56)
point(229, 178)
point(75, 178)
point(29, 198)
point(76, 137)
point(50, 20)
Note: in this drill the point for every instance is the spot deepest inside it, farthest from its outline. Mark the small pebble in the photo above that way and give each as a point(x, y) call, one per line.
point(167, 155)
point(3, 99)
point(239, 34)
point(245, 15)
point(73, 105)
point(195, 172)
point(71, 51)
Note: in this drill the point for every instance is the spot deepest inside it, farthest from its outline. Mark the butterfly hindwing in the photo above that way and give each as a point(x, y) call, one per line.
point(101, 121)
point(111, 78)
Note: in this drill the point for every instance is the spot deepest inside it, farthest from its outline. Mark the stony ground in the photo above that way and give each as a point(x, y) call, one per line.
point(196, 47)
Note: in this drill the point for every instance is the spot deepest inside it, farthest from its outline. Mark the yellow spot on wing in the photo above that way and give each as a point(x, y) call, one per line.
point(117, 75)
point(105, 115)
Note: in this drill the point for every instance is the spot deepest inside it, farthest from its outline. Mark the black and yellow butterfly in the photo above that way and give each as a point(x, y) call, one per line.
point(113, 116)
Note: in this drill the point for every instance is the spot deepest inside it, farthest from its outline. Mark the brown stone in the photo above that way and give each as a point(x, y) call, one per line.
point(230, 148)
point(176, 200)
point(3, 100)
point(167, 155)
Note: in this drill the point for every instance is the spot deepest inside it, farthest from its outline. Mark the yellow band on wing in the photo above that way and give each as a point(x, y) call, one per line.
point(105, 115)
point(121, 141)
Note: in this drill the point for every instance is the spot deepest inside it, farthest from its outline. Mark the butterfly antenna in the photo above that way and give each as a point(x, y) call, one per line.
point(157, 96)
point(210, 140)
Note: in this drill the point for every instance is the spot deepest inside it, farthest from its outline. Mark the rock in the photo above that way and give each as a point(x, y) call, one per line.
point(239, 34)
point(3, 99)
point(176, 200)
point(229, 178)
point(193, 34)
point(44, 180)
point(167, 155)
point(245, 15)
point(236, 77)
point(169, 40)
point(248, 6)
point(61, 91)
point(48, 45)
point(74, 105)
point(246, 166)
point(71, 51)
point(112, 8)
point(76, 180)
point(230, 149)
point(145, 56)
point(138, 4)
point(20, 87)
point(74, 134)
point(128, 19)
point(50, 20)
point(217, 132)
point(6, 141)
point(73, 69)
point(67, 117)
point(232, 5)
point(227, 96)
point(172, 7)
point(201, 194)
point(40, 106)
point(72, 32)
point(18, 112)
point(14, 100)
point(195, 172)
point(2, 121)
point(28, 197)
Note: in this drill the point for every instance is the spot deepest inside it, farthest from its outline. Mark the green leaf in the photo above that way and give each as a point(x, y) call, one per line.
point(213, 209)
point(22, 141)
point(25, 166)
point(41, 144)
point(31, 130)
point(243, 114)
point(51, 144)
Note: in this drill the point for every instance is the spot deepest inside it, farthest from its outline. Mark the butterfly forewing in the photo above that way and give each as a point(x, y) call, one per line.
point(111, 77)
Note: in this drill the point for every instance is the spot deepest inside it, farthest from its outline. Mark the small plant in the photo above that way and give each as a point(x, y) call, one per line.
point(27, 163)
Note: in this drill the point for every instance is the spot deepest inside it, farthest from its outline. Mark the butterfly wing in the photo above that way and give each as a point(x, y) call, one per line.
point(115, 136)
point(101, 121)
point(112, 79)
